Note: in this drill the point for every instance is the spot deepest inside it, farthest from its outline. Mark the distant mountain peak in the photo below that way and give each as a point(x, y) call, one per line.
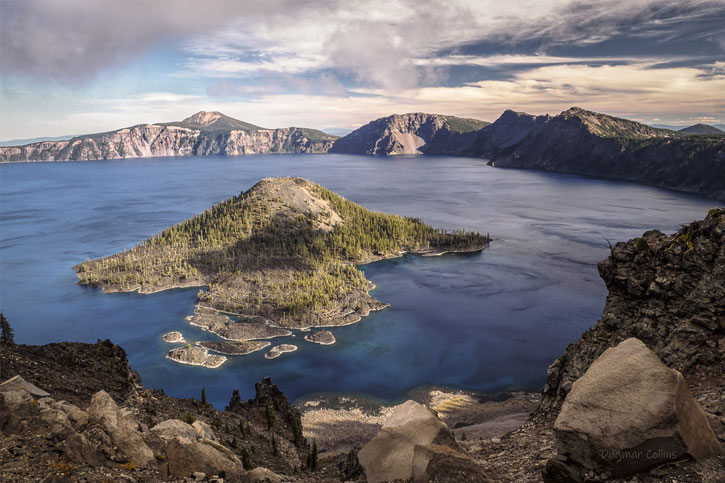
point(204, 118)
point(702, 129)
point(216, 121)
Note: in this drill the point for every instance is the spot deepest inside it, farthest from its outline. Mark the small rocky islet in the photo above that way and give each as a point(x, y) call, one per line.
point(279, 256)
point(77, 411)
point(322, 337)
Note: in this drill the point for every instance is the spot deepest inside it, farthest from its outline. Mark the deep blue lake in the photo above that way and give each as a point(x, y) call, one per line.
point(485, 322)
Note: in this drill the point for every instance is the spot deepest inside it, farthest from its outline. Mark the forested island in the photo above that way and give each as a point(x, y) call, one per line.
point(284, 252)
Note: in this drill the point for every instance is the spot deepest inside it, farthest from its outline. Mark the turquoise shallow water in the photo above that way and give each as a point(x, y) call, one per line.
point(485, 322)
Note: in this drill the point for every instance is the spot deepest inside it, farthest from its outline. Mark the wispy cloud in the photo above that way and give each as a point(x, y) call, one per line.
point(332, 62)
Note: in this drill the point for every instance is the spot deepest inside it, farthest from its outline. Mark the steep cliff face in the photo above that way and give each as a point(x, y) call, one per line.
point(413, 133)
point(203, 134)
point(667, 291)
point(583, 142)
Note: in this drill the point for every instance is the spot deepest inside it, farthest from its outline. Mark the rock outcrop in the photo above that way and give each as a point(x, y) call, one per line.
point(105, 436)
point(413, 133)
point(121, 427)
point(203, 134)
point(185, 456)
point(414, 443)
point(271, 406)
point(667, 291)
point(628, 413)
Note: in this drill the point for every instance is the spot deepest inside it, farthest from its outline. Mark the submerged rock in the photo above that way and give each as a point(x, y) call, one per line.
point(629, 412)
point(195, 356)
point(278, 350)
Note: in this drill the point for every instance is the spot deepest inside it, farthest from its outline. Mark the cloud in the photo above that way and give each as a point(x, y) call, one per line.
point(71, 40)
point(374, 43)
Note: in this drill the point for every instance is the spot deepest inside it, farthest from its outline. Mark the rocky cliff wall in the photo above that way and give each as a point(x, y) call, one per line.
point(161, 140)
point(666, 290)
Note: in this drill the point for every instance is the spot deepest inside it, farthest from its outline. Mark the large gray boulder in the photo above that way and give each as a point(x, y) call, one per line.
point(411, 428)
point(629, 412)
point(261, 475)
point(18, 383)
point(16, 406)
point(171, 428)
point(186, 457)
point(121, 427)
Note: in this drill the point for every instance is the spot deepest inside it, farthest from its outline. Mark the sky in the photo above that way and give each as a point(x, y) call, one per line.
point(83, 66)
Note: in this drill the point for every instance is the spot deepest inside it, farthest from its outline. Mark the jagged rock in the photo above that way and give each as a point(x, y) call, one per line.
point(629, 412)
point(270, 401)
point(261, 475)
point(445, 465)
point(185, 457)
point(390, 455)
point(18, 383)
point(15, 407)
point(667, 291)
point(204, 431)
point(171, 428)
point(121, 427)
point(75, 415)
point(56, 420)
point(81, 451)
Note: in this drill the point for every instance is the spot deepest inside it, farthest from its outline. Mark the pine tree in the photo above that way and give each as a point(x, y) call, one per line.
point(7, 336)
point(203, 397)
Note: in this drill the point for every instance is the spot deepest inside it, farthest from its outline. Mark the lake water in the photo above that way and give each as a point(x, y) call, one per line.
point(485, 322)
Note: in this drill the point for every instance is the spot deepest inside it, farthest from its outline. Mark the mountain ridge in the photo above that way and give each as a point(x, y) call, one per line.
point(575, 141)
point(205, 133)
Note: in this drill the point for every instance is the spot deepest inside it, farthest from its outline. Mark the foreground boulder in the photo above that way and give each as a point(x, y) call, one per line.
point(186, 457)
point(413, 443)
point(121, 427)
point(629, 412)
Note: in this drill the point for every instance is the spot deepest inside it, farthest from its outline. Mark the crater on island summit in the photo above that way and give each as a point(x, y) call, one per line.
point(281, 254)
